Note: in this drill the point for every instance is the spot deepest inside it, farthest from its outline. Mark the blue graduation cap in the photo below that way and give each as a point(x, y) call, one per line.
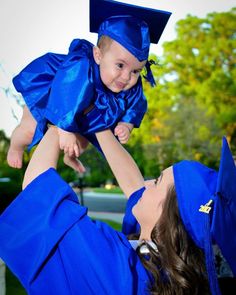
point(134, 27)
point(207, 204)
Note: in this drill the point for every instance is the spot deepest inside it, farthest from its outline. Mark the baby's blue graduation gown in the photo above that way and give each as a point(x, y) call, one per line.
point(53, 247)
point(57, 88)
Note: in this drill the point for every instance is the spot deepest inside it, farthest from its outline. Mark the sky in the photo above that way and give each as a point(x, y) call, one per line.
point(30, 28)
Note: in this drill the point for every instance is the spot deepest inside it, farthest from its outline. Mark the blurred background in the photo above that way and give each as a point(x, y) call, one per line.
point(192, 106)
point(190, 109)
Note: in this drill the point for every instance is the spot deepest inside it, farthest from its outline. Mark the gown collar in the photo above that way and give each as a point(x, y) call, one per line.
point(143, 249)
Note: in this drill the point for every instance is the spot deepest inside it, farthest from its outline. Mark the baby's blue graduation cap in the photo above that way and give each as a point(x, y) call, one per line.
point(207, 204)
point(134, 27)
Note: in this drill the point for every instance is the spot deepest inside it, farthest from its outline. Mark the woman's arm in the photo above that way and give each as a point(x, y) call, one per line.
point(121, 163)
point(44, 157)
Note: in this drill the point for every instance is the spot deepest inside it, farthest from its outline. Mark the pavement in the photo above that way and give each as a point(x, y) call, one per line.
point(104, 205)
point(117, 217)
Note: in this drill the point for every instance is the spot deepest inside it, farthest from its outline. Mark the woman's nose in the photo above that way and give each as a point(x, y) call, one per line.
point(149, 182)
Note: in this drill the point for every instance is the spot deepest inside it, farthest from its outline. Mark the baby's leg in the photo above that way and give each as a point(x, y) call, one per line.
point(73, 162)
point(21, 137)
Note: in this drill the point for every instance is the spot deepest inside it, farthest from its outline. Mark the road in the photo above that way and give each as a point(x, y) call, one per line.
point(104, 205)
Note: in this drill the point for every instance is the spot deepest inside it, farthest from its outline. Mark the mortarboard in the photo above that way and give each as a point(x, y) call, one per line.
point(134, 27)
point(103, 9)
point(207, 205)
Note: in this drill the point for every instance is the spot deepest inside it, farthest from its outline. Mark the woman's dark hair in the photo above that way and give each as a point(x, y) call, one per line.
point(178, 267)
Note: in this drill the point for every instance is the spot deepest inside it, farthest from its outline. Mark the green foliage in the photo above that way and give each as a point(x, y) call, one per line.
point(13, 286)
point(97, 169)
point(202, 61)
point(194, 102)
point(8, 190)
point(4, 144)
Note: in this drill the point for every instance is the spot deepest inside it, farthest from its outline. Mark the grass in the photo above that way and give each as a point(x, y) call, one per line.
point(14, 287)
point(115, 190)
point(116, 225)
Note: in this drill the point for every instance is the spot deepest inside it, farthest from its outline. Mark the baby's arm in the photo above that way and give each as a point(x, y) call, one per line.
point(68, 143)
point(123, 131)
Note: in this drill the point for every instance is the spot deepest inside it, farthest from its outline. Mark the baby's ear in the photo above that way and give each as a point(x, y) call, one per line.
point(97, 54)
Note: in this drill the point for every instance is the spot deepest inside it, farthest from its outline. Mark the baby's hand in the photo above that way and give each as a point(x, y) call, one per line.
point(68, 143)
point(123, 130)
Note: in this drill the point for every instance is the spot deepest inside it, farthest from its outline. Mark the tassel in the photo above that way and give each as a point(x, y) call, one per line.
point(149, 76)
point(209, 257)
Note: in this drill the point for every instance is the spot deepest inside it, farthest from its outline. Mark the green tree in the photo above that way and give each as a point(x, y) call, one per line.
point(4, 144)
point(10, 189)
point(194, 102)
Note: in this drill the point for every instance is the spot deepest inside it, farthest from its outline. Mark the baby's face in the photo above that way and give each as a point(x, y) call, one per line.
point(119, 69)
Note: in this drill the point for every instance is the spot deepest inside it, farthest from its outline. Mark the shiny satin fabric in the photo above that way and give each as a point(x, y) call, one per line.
point(130, 32)
point(58, 88)
point(53, 247)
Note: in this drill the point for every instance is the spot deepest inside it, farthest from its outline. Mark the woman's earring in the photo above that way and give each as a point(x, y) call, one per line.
point(144, 248)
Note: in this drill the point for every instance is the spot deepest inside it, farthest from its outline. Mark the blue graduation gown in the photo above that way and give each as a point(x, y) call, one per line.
point(53, 247)
point(57, 88)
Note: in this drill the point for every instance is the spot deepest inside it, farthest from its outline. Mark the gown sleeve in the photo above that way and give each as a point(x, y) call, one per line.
point(23, 224)
point(53, 247)
point(136, 107)
point(130, 224)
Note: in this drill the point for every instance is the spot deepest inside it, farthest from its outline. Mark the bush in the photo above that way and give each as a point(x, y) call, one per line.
point(9, 190)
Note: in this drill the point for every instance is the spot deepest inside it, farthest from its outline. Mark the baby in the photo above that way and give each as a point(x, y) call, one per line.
point(92, 88)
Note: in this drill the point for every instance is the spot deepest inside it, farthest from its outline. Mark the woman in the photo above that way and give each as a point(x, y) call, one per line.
point(55, 248)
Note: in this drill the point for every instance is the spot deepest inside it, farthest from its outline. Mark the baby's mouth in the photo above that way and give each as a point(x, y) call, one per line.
point(120, 85)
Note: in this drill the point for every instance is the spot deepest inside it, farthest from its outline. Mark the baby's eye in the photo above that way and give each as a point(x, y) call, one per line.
point(155, 181)
point(136, 72)
point(120, 65)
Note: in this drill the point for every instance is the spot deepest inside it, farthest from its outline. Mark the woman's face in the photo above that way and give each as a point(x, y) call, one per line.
point(148, 209)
